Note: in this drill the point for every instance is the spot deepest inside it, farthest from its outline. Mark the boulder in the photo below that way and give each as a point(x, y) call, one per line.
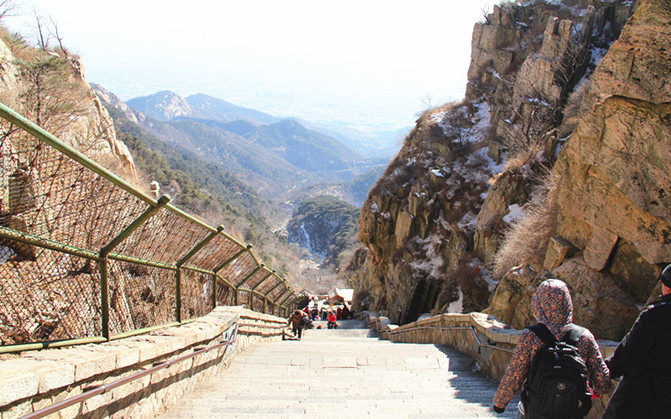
point(558, 250)
point(638, 64)
point(598, 304)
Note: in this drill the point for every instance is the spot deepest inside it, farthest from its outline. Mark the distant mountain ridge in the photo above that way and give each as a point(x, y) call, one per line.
point(208, 107)
point(300, 146)
point(271, 154)
point(167, 105)
point(162, 106)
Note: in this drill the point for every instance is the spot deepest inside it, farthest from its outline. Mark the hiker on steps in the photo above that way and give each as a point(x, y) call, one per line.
point(332, 323)
point(643, 361)
point(296, 323)
point(553, 308)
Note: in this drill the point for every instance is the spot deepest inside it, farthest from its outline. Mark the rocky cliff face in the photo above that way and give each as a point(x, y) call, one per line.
point(594, 214)
point(419, 219)
point(110, 99)
point(612, 184)
point(50, 88)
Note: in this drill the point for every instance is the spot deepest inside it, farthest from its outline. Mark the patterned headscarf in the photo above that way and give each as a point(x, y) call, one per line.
point(552, 303)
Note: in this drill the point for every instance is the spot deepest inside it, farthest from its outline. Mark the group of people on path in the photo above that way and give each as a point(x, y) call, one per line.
point(302, 319)
point(642, 359)
point(340, 312)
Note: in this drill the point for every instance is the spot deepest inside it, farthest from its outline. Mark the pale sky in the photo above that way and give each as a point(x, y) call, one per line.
point(375, 64)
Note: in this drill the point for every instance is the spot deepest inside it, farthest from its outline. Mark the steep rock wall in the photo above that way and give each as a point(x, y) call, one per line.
point(612, 184)
point(428, 244)
point(419, 219)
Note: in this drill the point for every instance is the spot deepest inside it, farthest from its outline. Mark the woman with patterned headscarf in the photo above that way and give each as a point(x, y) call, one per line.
point(552, 306)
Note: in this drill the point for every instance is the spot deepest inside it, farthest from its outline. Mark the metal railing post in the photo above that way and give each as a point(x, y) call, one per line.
point(178, 295)
point(232, 258)
point(191, 253)
point(104, 297)
point(248, 277)
point(104, 261)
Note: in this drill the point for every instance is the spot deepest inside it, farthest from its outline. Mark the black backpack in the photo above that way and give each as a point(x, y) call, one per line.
point(556, 386)
point(306, 322)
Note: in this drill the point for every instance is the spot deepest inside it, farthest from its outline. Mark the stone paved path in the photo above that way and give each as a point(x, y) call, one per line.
point(344, 374)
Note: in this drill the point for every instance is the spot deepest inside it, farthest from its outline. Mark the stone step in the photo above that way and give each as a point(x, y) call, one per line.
point(334, 374)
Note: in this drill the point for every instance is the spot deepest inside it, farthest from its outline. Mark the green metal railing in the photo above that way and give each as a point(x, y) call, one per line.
point(87, 257)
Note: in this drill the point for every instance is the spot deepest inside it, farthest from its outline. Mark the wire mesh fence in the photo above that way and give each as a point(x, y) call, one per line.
point(83, 254)
point(140, 296)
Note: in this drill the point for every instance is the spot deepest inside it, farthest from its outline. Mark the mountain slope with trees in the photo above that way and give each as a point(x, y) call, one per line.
point(272, 155)
point(325, 225)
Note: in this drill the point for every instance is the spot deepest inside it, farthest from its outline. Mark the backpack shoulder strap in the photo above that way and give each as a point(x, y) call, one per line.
point(573, 334)
point(543, 333)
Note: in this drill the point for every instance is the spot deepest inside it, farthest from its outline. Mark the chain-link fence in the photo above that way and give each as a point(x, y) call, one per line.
point(86, 257)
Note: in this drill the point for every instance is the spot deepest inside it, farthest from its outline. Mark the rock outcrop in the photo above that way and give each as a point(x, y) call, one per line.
point(110, 99)
point(612, 185)
point(604, 202)
point(419, 219)
point(64, 105)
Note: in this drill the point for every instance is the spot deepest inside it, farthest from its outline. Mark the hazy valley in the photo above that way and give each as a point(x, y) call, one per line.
point(556, 164)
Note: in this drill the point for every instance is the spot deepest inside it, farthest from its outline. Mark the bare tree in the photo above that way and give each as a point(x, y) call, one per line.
point(530, 128)
point(53, 31)
point(42, 39)
point(7, 8)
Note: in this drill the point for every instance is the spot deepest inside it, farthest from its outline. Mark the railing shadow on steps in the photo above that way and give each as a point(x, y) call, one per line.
point(485, 339)
point(86, 257)
point(89, 392)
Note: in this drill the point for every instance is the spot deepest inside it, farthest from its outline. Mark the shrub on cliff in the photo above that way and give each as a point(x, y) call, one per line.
point(526, 242)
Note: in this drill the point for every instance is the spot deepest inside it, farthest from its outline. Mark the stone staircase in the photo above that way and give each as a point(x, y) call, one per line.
point(344, 373)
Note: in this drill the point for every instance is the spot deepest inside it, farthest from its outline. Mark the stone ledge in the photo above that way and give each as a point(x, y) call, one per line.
point(34, 380)
point(489, 329)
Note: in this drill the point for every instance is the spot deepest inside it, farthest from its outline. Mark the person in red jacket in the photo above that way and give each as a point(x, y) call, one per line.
point(331, 320)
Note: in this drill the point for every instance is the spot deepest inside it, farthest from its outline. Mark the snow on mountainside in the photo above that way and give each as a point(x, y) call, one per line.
point(489, 196)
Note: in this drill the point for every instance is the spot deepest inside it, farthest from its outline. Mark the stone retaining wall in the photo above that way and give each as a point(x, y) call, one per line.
point(460, 330)
point(33, 380)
